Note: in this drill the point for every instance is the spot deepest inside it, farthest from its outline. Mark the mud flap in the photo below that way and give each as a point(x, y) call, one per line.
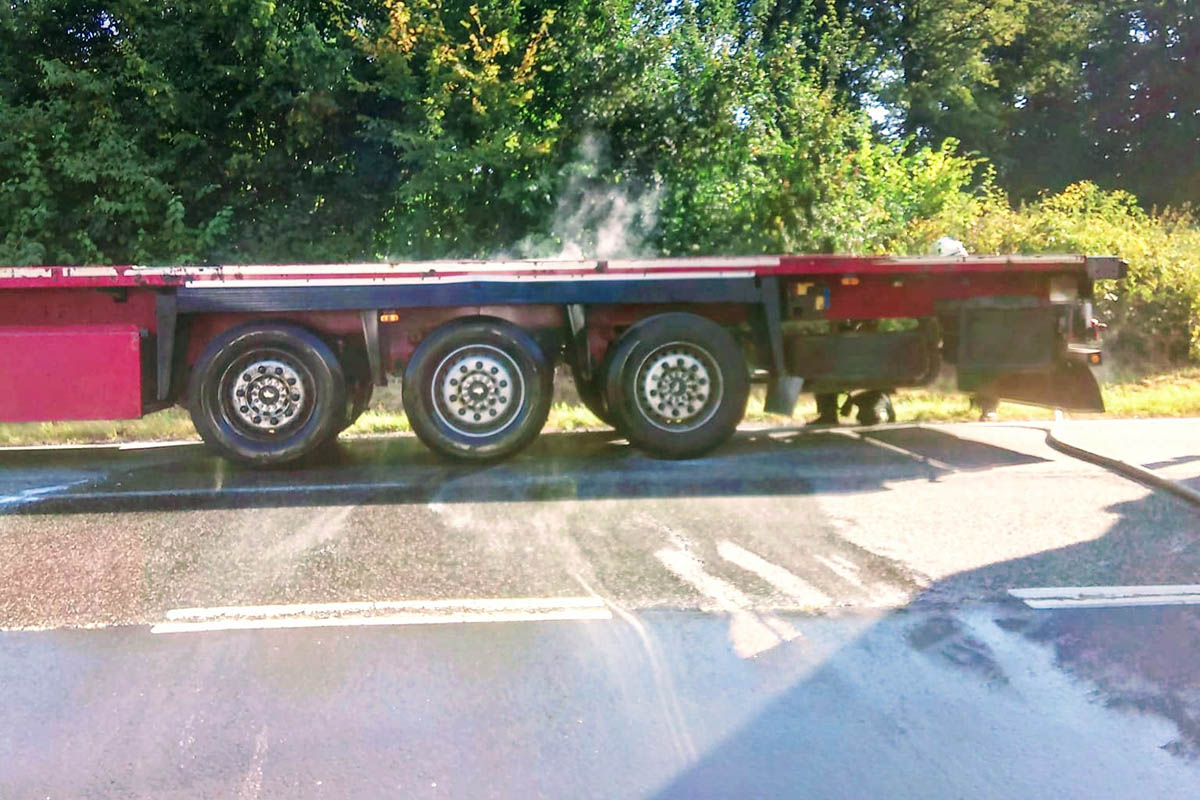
point(1071, 386)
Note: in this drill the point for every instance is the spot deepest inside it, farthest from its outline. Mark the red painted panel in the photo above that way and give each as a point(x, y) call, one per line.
point(879, 297)
point(50, 373)
point(54, 307)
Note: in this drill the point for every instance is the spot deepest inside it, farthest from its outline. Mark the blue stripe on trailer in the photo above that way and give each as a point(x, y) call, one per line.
point(229, 297)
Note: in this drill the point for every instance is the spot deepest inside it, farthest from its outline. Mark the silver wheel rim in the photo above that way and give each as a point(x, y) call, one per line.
point(478, 390)
point(267, 394)
point(678, 387)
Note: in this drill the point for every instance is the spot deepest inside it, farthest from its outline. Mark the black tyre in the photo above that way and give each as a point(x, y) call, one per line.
point(677, 385)
point(478, 390)
point(266, 394)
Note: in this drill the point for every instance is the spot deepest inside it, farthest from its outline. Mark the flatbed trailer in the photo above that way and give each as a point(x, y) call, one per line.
point(274, 361)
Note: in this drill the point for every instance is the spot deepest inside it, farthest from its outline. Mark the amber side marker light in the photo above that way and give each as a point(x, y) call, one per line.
point(1094, 358)
point(389, 316)
point(850, 280)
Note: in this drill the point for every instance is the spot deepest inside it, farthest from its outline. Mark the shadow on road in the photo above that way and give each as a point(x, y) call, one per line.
point(559, 466)
point(1139, 661)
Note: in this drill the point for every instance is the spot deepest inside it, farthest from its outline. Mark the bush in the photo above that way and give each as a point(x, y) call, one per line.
point(1154, 313)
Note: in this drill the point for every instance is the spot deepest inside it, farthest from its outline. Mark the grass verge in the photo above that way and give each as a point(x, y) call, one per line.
point(1172, 394)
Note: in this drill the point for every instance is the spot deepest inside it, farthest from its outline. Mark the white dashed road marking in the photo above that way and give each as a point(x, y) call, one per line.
point(750, 632)
point(1108, 596)
point(843, 569)
point(804, 593)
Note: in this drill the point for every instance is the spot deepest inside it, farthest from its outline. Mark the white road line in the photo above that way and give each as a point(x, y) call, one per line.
point(749, 632)
point(782, 579)
point(845, 562)
point(384, 619)
point(848, 575)
point(1128, 602)
point(313, 609)
point(1108, 596)
point(409, 612)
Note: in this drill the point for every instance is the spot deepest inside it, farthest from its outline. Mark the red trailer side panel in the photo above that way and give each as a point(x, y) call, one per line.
point(70, 372)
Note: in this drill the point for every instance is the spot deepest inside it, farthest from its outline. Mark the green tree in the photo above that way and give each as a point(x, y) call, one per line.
point(1129, 118)
point(181, 131)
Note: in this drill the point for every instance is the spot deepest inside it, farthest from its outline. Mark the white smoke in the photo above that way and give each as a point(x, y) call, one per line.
point(596, 217)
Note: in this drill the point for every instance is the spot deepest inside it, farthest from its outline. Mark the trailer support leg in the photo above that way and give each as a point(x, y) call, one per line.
point(783, 389)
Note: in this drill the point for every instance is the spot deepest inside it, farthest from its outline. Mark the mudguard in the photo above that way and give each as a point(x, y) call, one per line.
point(1070, 386)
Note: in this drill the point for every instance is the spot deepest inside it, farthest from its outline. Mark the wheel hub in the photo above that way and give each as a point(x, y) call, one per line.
point(678, 386)
point(267, 394)
point(478, 390)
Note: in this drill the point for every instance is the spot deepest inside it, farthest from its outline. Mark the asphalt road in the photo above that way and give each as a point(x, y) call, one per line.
point(802, 614)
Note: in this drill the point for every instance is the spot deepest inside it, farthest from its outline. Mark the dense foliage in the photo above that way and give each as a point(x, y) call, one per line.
point(239, 130)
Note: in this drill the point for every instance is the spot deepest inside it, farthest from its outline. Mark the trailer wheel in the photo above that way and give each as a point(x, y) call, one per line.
point(677, 385)
point(478, 390)
point(267, 394)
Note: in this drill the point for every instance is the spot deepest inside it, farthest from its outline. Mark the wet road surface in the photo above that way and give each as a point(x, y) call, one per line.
point(801, 614)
